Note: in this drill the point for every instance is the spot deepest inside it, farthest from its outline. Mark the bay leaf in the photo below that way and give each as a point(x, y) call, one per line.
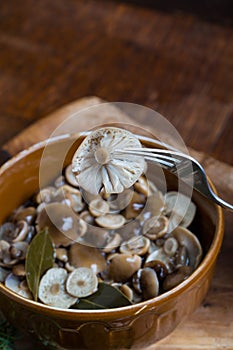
point(106, 297)
point(39, 258)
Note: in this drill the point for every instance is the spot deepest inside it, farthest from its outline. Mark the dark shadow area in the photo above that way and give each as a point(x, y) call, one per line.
point(219, 11)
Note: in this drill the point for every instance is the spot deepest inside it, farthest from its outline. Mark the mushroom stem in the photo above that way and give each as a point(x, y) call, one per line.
point(102, 155)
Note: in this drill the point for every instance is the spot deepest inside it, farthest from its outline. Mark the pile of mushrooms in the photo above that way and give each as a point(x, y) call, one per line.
point(125, 233)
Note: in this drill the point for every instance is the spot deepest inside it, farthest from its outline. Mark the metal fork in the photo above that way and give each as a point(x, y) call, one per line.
point(180, 164)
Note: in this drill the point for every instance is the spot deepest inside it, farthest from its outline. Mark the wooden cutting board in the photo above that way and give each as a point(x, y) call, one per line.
point(211, 325)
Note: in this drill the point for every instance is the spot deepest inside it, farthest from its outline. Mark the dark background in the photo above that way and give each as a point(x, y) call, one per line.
point(219, 11)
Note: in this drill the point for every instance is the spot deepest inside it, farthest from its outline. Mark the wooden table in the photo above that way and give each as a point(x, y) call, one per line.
point(53, 52)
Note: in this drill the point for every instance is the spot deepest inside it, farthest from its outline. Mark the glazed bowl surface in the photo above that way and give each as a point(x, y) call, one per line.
point(135, 326)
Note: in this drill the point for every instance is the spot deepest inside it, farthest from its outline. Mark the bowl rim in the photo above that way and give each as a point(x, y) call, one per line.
point(205, 265)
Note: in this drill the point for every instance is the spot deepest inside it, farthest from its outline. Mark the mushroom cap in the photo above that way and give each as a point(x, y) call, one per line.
point(11, 254)
point(181, 209)
point(19, 270)
point(71, 196)
point(46, 195)
point(134, 208)
point(63, 225)
point(52, 290)
point(155, 227)
point(190, 241)
point(142, 186)
point(8, 231)
point(70, 177)
point(98, 207)
point(111, 221)
point(61, 254)
point(27, 214)
point(84, 256)
point(123, 266)
point(22, 231)
point(126, 290)
point(170, 246)
point(159, 267)
point(176, 277)
point(82, 282)
point(98, 161)
point(112, 243)
point(14, 283)
point(159, 255)
point(149, 283)
point(136, 245)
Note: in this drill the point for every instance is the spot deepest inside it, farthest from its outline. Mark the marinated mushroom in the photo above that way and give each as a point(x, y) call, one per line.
point(123, 266)
point(149, 283)
point(5, 256)
point(10, 254)
point(15, 284)
point(187, 239)
point(160, 255)
point(61, 254)
point(180, 208)
point(127, 291)
point(18, 251)
point(87, 217)
point(112, 243)
point(135, 207)
point(71, 196)
point(136, 245)
point(99, 161)
point(82, 282)
point(52, 289)
point(27, 214)
point(155, 227)
point(46, 195)
point(142, 186)
point(98, 207)
point(182, 258)
point(63, 225)
point(84, 256)
point(70, 177)
point(8, 231)
point(177, 277)
point(159, 267)
point(22, 229)
point(170, 246)
point(136, 281)
point(19, 270)
point(111, 221)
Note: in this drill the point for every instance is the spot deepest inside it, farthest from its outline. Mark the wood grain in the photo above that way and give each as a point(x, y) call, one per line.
point(211, 325)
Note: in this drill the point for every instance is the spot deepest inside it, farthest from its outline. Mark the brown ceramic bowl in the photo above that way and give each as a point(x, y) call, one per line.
point(135, 326)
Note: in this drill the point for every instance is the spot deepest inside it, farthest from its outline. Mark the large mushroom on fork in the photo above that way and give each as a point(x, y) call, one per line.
point(100, 161)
